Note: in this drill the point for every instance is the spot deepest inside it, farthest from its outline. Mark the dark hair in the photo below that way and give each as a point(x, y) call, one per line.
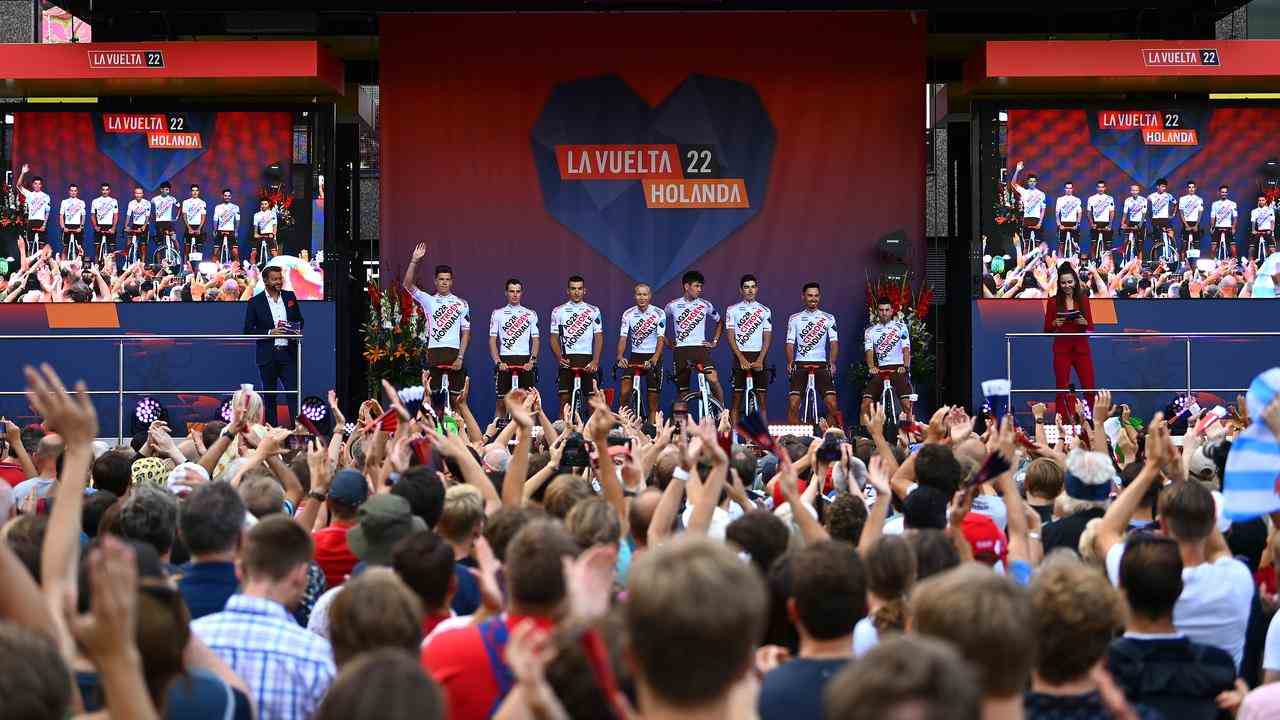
point(510, 282)
point(421, 486)
point(1162, 181)
point(276, 546)
point(937, 467)
point(1077, 293)
point(535, 573)
point(502, 526)
point(761, 535)
point(104, 185)
point(910, 671)
point(424, 561)
point(1187, 511)
point(811, 286)
point(746, 279)
point(165, 184)
point(150, 515)
point(226, 189)
point(34, 683)
point(95, 506)
point(194, 186)
point(209, 435)
point(829, 586)
point(935, 552)
point(1032, 176)
point(845, 517)
point(1191, 182)
point(891, 572)
point(692, 276)
point(111, 472)
point(444, 270)
point(73, 185)
point(211, 518)
point(272, 268)
point(387, 683)
point(883, 300)
point(1151, 574)
point(1069, 182)
point(925, 507)
point(1075, 613)
point(37, 179)
point(1223, 187)
point(1101, 182)
point(375, 610)
point(576, 278)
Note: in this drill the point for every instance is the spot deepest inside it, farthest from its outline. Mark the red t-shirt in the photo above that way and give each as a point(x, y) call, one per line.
point(332, 554)
point(12, 473)
point(458, 660)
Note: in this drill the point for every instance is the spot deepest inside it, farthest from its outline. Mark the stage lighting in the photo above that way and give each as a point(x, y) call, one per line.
point(894, 245)
point(894, 273)
point(146, 411)
point(1271, 168)
point(778, 431)
point(225, 412)
point(315, 411)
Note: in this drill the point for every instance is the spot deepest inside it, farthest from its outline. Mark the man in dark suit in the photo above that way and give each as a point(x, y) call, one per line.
point(277, 359)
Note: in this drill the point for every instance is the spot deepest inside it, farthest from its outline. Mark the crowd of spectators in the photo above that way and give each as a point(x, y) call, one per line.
point(614, 569)
point(1032, 276)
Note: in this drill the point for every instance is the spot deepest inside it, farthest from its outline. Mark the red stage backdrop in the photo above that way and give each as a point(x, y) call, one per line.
point(632, 147)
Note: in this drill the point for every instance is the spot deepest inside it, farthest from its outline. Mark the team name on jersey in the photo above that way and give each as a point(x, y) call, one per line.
point(747, 325)
point(888, 341)
point(443, 319)
point(646, 324)
point(514, 328)
point(811, 334)
point(577, 326)
point(689, 320)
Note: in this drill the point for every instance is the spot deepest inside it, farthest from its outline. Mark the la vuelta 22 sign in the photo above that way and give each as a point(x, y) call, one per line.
point(653, 188)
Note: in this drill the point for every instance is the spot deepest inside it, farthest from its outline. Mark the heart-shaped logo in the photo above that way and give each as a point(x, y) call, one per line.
point(153, 147)
point(653, 189)
point(1144, 161)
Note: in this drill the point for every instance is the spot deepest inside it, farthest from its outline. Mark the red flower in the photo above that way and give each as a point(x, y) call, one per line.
point(895, 296)
point(922, 306)
point(406, 302)
point(375, 293)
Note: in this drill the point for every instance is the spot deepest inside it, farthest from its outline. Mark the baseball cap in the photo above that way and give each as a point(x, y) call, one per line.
point(381, 522)
point(349, 488)
point(989, 544)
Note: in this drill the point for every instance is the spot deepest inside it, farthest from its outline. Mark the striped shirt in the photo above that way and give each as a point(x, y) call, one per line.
point(287, 668)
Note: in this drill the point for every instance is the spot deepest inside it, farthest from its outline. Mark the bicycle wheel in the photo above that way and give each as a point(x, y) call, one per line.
point(694, 401)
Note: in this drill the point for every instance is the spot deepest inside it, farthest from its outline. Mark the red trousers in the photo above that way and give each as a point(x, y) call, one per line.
point(1074, 353)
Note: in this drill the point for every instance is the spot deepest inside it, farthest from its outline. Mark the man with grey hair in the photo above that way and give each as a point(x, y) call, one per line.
point(211, 520)
point(1088, 483)
point(150, 515)
point(48, 453)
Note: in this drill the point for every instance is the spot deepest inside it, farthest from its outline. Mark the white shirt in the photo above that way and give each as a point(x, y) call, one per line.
point(265, 221)
point(809, 331)
point(72, 211)
point(1263, 218)
point(193, 210)
point(38, 204)
point(1190, 206)
point(1161, 205)
point(1101, 206)
point(643, 328)
point(278, 314)
point(164, 205)
point(138, 211)
point(1224, 212)
point(993, 507)
point(226, 216)
point(689, 320)
point(576, 324)
point(447, 316)
point(888, 340)
point(1068, 208)
point(1032, 202)
point(1214, 605)
point(865, 637)
point(1135, 209)
point(748, 321)
point(1271, 653)
point(515, 326)
point(104, 210)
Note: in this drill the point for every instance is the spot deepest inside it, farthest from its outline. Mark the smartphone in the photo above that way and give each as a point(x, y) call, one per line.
point(296, 441)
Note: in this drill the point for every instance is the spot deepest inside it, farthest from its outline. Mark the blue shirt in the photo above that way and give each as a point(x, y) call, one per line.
point(793, 691)
point(207, 586)
point(467, 599)
point(288, 668)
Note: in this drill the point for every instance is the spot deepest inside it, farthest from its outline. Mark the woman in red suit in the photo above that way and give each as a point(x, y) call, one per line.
point(1068, 312)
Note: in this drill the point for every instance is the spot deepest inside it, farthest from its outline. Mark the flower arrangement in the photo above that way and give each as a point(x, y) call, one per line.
point(912, 308)
point(1008, 204)
point(282, 202)
point(13, 208)
point(393, 333)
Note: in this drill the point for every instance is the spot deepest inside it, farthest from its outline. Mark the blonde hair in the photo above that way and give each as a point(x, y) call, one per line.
point(254, 415)
point(463, 513)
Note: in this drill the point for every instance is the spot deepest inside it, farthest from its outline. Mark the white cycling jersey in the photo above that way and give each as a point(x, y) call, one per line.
point(748, 321)
point(642, 328)
point(888, 341)
point(689, 320)
point(577, 324)
point(810, 331)
point(515, 326)
point(447, 316)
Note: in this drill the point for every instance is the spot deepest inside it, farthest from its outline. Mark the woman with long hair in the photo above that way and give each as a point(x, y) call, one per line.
point(1068, 312)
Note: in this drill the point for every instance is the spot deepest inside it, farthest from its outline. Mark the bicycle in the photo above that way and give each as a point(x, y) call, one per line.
point(72, 240)
point(1070, 245)
point(700, 399)
point(1132, 245)
point(440, 400)
point(167, 254)
point(32, 237)
point(811, 392)
point(1167, 254)
point(577, 400)
point(263, 251)
point(638, 389)
point(750, 402)
point(225, 251)
point(1265, 244)
point(132, 252)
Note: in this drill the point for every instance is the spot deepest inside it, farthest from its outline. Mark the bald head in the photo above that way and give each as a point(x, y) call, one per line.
point(640, 514)
point(48, 451)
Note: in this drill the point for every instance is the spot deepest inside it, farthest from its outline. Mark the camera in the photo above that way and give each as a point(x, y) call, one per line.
point(576, 454)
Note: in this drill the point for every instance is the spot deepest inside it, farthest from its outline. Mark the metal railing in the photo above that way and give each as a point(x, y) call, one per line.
point(1187, 338)
point(121, 391)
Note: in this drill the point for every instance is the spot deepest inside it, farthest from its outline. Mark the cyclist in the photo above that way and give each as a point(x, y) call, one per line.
point(513, 343)
point(577, 336)
point(888, 347)
point(644, 328)
point(689, 314)
point(750, 332)
point(809, 333)
point(448, 325)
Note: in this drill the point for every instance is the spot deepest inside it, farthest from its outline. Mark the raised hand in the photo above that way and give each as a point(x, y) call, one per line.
point(107, 632)
point(517, 403)
point(877, 476)
point(419, 252)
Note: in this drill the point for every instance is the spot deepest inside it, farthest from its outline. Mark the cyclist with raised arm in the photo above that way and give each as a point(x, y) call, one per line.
point(513, 343)
point(577, 337)
point(448, 325)
point(750, 331)
point(812, 343)
point(643, 332)
point(689, 315)
point(888, 347)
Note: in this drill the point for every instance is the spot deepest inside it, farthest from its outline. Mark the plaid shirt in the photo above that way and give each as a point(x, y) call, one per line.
point(288, 668)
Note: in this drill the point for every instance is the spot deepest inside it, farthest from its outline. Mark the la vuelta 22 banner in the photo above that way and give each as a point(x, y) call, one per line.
point(653, 188)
